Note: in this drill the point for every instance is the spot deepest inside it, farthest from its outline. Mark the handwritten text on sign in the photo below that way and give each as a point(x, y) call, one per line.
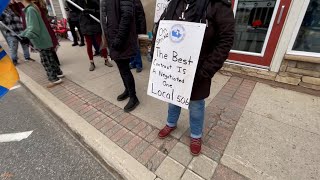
point(175, 60)
point(161, 5)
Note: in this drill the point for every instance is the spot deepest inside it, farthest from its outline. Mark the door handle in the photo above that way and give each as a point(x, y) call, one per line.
point(281, 13)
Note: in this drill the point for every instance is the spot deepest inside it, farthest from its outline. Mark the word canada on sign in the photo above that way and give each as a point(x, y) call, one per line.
point(175, 60)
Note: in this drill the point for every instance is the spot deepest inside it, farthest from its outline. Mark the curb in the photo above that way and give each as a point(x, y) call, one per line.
point(128, 167)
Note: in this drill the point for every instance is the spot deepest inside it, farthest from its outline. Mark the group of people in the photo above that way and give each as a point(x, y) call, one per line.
point(120, 23)
point(25, 22)
point(91, 31)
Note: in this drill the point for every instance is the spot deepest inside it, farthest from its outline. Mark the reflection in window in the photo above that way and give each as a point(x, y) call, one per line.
point(308, 38)
point(252, 23)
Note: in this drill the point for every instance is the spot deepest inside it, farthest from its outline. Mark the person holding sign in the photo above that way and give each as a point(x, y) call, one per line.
point(118, 22)
point(217, 42)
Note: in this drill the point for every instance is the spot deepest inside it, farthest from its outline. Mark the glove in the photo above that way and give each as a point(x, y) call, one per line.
point(24, 40)
point(116, 44)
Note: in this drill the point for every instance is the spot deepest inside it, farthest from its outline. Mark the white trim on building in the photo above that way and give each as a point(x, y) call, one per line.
point(290, 25)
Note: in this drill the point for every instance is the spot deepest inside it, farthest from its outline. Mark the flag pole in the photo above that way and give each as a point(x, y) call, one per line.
point(5, 26)
point(81, 9)
point(17, 35)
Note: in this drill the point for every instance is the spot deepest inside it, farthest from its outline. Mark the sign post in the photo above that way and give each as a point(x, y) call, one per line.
point(175, 60)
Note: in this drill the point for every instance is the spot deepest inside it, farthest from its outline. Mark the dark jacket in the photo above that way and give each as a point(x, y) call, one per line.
point(120, 28)
point(73, 12)
point(140, 18)
point(217, 42)
point(88, 25)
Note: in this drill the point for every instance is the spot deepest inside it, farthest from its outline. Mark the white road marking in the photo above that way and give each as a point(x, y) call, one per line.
point(15, 87)
point(14, 136)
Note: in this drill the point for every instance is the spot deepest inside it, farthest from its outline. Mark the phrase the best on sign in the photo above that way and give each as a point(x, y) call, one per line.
point(175, 60)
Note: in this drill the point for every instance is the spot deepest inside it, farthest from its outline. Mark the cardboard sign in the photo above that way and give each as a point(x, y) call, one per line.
point(175, 60)
point(161, 5)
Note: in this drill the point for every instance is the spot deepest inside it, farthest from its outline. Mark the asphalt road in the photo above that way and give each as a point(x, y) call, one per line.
point(50, 152)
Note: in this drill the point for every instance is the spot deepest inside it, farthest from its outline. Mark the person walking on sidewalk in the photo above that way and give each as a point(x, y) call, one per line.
point(74, 22)
point(92, 29)
point(217, 43)
point(37, 33)
point(41, 5)
point(120, 30)
point(136, 62)
point(13, 21)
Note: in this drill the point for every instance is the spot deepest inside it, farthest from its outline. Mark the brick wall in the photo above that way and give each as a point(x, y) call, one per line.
point(302, 71)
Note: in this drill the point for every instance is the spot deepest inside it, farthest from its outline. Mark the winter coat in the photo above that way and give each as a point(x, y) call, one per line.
point(44, 16)
point(36, 30)
point(73, 12)
point(88, 25)
point(217, 42)
point(120, 27)
point(140, 18)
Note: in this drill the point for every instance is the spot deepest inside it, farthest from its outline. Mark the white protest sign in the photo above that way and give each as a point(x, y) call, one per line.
point(161, 5)
point(175, 60)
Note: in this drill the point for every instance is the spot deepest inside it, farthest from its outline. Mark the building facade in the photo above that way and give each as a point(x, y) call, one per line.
point(277, 40)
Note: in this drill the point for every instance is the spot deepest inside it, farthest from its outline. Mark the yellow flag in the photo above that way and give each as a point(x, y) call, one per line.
point(8, 73)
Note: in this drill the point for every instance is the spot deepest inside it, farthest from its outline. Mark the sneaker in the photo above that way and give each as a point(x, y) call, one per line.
point(60, 76)
point(139, 70)
point(195, 146)
point(74, 44)
point(123, 96)
point(107, 63)
point(52, 84)
point(166, 131)
point(92, 67)
point(82, 44)
point(29, 59)
point(132, 104)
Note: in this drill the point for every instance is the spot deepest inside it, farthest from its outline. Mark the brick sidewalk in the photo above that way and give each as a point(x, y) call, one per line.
point(169, 157)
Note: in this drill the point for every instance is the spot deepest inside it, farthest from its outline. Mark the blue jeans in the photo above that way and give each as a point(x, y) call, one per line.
point(196, 113)
point(136, 62)
point(13, 45)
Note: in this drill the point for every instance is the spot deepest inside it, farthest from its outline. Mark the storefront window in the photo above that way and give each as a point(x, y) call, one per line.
point(308, 38)
point(253, 20)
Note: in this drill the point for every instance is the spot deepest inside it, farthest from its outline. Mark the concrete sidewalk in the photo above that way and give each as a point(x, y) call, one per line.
point(253, 130)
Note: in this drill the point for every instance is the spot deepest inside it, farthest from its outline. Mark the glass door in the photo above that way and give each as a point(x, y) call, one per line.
point(306, 37)
point(258, 27)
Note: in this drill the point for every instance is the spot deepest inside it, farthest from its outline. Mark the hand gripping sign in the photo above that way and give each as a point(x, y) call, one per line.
point(175, 60)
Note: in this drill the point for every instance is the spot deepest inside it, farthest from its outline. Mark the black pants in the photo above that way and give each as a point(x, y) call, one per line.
point(73, 26)
point(126, 75)
point(55, 56)
point(50, 64)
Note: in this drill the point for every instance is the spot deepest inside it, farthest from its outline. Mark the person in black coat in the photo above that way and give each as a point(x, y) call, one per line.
point(141, 26)
point(74, 22)
point(91, 29)
point(118, 22)
point(216, 45)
